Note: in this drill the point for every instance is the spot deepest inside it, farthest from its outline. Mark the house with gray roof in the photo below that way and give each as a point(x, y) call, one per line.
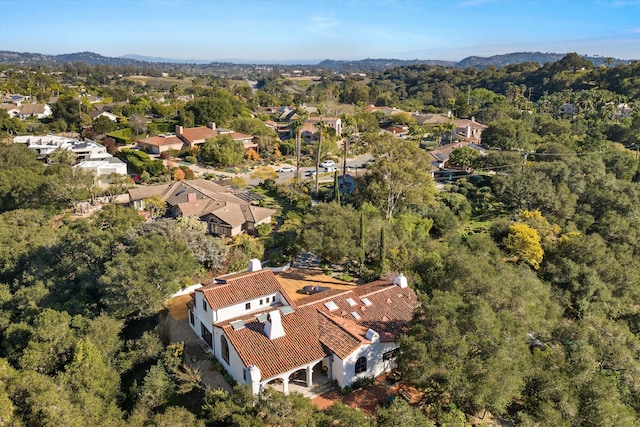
point(224, 212)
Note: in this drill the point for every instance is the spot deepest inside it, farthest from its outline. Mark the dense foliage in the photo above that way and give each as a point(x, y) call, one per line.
point(527, 269)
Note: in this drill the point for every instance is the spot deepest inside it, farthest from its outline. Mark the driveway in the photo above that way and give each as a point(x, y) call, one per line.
point(179, 330)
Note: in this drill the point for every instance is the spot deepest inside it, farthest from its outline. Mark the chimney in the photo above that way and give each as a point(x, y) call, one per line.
point(273, 326)
point(211, 125)
point(473, 119)
point(400, 280)
point(468, 131)
point(192, 197)
point(372, 336)
point(179, 130)
point(255, 264)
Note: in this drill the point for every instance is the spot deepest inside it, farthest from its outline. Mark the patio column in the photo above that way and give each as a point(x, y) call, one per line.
point(285, 384)
point(309, 375)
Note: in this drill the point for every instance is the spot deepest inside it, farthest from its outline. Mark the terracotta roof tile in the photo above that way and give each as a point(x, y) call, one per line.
point(241, 287)
point(298, 347)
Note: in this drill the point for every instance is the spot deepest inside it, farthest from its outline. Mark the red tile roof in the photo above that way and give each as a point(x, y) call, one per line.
point(240, 287)
point(299, 346)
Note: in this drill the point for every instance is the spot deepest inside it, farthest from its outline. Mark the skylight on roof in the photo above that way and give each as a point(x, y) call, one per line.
point(286, 309)
point(366, 301)
point(331, 306)
point(261, 317)
point(238, 324)
point(351, 302)
point(355, 315)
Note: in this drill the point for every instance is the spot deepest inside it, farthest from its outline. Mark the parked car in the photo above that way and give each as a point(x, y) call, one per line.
point(286, 169)
point(330, 169)
point(312, 289)
point(327, 164)
point(310, 173)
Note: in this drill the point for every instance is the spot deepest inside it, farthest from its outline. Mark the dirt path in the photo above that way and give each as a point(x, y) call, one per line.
point(179, 330)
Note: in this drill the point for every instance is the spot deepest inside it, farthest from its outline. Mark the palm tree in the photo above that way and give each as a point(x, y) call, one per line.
point(297, 125)
point(321, 126)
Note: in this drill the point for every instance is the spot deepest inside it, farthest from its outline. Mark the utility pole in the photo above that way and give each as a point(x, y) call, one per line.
point(469, 95)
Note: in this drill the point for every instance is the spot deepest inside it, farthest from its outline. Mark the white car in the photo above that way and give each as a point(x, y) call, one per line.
point(330, 169)
point(286, 169)
point(327, 164)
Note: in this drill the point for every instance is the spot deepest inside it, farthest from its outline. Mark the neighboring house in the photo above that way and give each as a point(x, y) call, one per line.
point(103, 168)
point(225, 214)
point(159, 143)
point(197, 136)
point(39, 111)
point(623, 110)
point(567, 109)
point(262, 337)
point(46, 144)
point(12, 109)
point(440, 156)
point(309, 131)
point(469, 130)
point(15, 99)
point(432, 119)
point(101, 110)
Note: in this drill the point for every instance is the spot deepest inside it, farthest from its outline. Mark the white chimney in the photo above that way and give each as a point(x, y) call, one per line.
point(179, 130)
point(372, 336)
point(211, 125)
point(253, 377)
point(273, 326)
point(255, 265)
point(468, 131)
point(401, 281)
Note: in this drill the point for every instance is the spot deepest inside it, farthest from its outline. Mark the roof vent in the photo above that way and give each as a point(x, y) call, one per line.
point(372, 336)
point(273, 326)
point(400, 280)
point(255, 264)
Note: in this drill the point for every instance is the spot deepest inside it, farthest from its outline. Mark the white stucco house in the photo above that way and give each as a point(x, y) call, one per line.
point(262, 337)
point(103, 168)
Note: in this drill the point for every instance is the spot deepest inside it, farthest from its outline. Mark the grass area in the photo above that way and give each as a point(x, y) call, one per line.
point(162, 82)
point(273, 200)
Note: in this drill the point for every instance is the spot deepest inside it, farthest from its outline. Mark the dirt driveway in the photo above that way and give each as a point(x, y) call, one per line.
point(179, 330)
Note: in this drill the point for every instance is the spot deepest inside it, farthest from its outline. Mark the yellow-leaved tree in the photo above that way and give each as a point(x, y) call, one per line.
point(523, 242)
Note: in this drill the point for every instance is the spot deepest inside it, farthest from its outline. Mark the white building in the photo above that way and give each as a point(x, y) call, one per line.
point(47, 144)
point(104, 167)
point(262, 337)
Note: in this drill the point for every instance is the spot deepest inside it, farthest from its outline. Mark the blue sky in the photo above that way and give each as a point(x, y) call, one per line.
point(310, 31)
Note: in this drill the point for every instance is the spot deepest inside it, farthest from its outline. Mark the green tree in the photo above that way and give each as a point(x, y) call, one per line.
point(222, 151)
point(143, 274)
point(399, 177)
point(464, 157)
point(331, 231)
point(104, 125)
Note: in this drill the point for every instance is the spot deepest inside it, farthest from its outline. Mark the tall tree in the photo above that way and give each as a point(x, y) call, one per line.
point(399, 176)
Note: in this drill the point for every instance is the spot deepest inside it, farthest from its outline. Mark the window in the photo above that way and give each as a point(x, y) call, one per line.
point(224, 349)
point(267, 300)
point(204, 305)
point(390, 354)
point(247, 306)
point(361, 365)
point(261, 302)
point(191, 318)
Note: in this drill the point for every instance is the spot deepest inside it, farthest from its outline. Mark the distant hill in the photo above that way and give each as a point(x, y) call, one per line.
point(364, 65)
point(520, 57)
point(164, 60)
point(377, 65)
point(89, 58)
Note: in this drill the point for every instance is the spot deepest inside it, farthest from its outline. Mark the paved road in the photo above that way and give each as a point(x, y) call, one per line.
point(353, 165)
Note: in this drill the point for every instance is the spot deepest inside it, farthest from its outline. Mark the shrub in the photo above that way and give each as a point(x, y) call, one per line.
point(191, 159)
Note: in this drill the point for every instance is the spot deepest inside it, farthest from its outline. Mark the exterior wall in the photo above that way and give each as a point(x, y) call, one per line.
point(207, 317)
point(235, 368)
point(240, 310)
point(344, 371)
